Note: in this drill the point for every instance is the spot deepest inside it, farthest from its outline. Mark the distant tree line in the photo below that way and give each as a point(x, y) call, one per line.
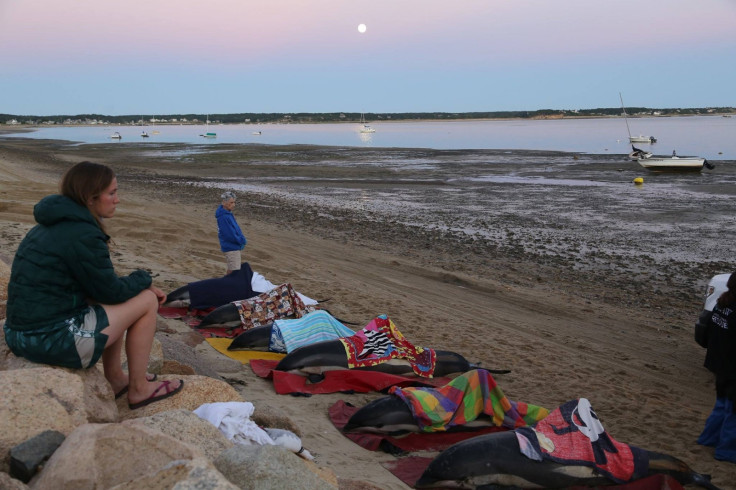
point(332, 117)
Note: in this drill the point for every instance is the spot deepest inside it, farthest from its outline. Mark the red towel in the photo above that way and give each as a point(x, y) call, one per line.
point(341, 380)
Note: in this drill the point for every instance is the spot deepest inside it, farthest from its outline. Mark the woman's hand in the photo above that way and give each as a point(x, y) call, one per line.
point(159, 294)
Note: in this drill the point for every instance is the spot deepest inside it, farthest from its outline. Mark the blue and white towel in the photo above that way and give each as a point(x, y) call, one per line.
point(288, 335)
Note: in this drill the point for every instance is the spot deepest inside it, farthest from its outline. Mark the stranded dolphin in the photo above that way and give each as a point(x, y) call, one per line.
point(256, 338)
point(391, 415)
point(227, 315)
point(495, 459)
point(330, 355)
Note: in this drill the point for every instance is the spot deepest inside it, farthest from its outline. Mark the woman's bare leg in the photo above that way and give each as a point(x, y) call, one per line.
point(137, 316)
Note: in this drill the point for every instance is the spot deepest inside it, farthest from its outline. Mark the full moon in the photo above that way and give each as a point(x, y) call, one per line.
point(361, 28)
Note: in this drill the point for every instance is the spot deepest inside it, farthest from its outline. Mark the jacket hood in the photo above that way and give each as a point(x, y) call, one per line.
point(220, 211)
point(55, 208)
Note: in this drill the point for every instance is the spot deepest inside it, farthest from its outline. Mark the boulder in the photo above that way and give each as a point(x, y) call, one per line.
point(105, 455)
point(186, 426)
point(29, 456)
point(195, 474)
point(197, 391)
point(9, 483)
point(48, 398)
point(258, 467)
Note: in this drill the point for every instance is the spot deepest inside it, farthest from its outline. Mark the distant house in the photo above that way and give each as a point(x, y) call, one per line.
point(12, 121)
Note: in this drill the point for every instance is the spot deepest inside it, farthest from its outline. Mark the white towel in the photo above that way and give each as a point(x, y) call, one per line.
point(233, 420)
point(260, 284)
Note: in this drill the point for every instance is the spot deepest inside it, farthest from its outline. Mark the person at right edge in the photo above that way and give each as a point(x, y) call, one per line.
point(232, 240)
point(720, 428)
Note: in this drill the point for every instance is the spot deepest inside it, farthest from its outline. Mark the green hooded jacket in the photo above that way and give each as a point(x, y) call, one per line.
point(60, 264)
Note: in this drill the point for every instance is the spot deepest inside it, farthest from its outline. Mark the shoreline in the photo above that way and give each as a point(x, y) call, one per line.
point(563, 334)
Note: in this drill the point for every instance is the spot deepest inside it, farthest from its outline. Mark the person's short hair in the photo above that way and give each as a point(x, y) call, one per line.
point(227, 195)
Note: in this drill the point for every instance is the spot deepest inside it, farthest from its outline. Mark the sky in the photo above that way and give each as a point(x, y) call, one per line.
point(156, 57)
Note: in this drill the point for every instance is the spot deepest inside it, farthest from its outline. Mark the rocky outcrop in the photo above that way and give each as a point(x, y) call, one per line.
point(160, 446)
point(105, 455)
point(254, 467)
point(46, 398)
point(187, 427)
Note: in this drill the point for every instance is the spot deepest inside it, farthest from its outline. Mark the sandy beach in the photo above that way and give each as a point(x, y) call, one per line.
point(615, 330)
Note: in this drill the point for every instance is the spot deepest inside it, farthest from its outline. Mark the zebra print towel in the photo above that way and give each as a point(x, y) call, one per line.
point(380, 341)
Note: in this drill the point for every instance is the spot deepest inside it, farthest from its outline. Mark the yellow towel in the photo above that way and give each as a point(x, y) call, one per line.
point(244, 356)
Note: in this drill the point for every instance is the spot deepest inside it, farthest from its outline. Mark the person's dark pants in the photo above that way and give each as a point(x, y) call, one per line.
point(720, 428)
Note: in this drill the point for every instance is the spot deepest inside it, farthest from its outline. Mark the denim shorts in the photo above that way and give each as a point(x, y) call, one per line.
point(74, 343)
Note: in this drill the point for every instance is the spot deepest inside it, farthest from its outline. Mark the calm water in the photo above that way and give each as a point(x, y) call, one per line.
point(712, 137)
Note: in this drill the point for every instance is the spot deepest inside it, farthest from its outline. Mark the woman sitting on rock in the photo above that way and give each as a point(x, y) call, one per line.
point(67, 307)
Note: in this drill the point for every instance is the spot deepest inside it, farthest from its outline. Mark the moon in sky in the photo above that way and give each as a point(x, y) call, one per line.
point(361, 28)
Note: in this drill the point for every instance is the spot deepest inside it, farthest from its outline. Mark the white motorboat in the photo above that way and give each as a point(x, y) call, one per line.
point(642, 139)
point(256, 133)
point(674, 162)
point(116, 136)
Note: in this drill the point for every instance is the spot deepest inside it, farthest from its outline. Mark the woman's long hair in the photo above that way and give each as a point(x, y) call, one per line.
point(728, 297)
point(85, 181)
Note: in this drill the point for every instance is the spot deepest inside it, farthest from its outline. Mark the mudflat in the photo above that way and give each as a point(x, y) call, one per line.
point(578, 292)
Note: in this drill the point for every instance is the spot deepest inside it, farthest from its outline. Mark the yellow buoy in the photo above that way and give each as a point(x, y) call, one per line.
point(638, 181)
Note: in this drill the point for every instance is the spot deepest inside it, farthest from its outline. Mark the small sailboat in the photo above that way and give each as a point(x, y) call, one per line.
point(365, 128)
point(208, 134)
point(634, 139)
point(144, 134)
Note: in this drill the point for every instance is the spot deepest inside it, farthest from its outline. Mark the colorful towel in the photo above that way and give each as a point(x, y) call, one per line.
point(380, 341)
point(572, 433)
point(463, 399)
point(278, 303)
point(288, 335)
point(341, 380)
point(340, 412)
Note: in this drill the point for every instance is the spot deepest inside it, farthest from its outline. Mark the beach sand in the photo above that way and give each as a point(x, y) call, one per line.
point(563, 334)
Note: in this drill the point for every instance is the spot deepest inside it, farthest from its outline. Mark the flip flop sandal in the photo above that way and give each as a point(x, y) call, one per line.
point(125, 389)
point(155, 397)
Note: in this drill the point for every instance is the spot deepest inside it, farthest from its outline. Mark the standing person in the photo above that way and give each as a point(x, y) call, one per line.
point(720, 428)
point(231, 238)
point(67, 307)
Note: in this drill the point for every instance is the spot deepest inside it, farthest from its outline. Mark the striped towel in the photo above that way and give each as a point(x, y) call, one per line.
point(463, 399)
point(288, 335)
point(380, 341)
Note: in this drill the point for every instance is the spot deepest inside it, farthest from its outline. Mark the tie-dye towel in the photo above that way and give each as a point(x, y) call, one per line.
point(380, 341)
point(572, 433)
point(463, 399)
point(287, 335)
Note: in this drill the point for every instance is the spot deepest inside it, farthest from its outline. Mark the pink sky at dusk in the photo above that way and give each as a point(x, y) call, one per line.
point(319, 41)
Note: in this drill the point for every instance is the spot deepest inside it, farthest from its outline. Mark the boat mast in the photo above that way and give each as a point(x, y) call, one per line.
point(625, 118)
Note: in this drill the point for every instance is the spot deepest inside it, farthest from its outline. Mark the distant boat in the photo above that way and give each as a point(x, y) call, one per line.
point(256, 133)
point(156, 132)
point(116, 136)
point(365, 128)
point(634, 139)
point(144, 134)
point(206, 126)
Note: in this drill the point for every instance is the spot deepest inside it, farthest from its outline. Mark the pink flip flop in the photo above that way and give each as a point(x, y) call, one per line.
point(156, 397)
point(125, 389)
